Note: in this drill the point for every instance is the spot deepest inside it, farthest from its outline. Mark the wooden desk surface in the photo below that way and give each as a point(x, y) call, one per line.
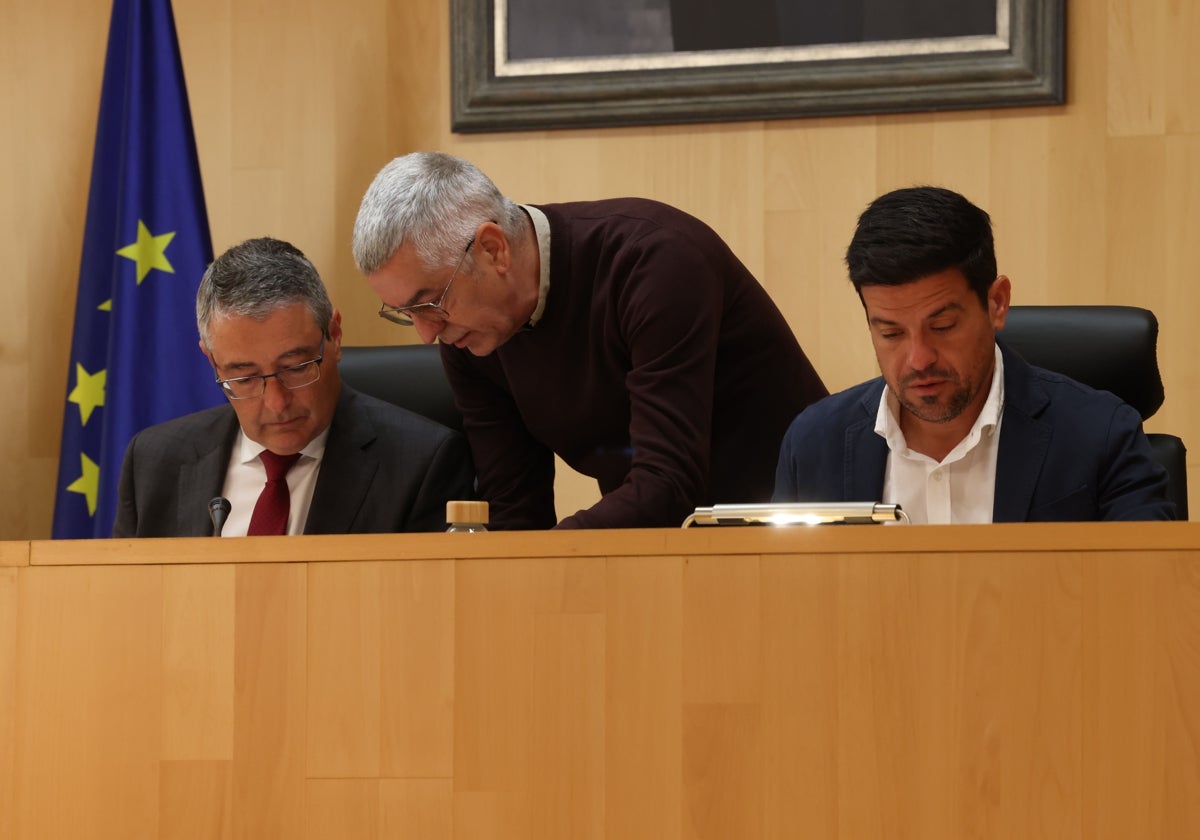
point(834, 682)
point(899, 539)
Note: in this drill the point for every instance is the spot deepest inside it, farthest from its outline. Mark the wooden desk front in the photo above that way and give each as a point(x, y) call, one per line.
point(989, 681)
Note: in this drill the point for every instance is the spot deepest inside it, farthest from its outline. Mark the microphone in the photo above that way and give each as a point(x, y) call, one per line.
point(218, 509)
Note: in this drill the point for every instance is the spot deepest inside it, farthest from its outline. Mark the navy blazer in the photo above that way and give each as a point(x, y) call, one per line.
point(1068, 453)
point(385, 470)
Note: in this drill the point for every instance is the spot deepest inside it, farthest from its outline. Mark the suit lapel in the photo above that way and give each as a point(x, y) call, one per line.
point(1024, 441)
point(866, 453)
point(346, 469)
point(203, 478)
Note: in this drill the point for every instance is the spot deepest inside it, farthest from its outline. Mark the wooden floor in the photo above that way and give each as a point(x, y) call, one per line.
point(887, 682)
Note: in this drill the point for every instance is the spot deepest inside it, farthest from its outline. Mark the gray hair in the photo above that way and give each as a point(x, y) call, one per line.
point(257, 277)
point(434, 200)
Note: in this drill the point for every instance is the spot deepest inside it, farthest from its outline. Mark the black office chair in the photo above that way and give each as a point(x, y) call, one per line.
point(1112, 348)
point(407, 375)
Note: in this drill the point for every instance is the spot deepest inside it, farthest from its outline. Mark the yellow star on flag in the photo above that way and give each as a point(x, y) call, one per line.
point(88, 392)
point(89, 483)
point(148, 252)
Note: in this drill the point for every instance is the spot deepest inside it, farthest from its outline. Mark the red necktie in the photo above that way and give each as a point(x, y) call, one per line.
point(271, 511)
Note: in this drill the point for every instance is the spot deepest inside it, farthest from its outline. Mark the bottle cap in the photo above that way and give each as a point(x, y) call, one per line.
point(467, 512)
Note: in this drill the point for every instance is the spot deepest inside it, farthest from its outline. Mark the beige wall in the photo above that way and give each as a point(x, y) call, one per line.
point(296, 106)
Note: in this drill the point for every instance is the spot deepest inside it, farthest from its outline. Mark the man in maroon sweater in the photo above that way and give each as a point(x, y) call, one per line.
point(623, 335)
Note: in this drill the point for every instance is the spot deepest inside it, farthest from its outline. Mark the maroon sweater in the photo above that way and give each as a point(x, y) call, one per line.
point(660, 367)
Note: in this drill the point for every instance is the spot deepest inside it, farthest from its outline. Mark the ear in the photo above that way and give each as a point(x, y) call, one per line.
point(999, 296)
point(333, 347)
point(491, 241)
point(204, 350)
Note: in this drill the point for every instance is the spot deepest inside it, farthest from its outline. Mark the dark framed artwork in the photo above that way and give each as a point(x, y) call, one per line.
point(535, 64)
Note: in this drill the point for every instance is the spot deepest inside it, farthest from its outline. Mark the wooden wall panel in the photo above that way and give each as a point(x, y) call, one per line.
point(1141, 711)
point(723, 732)
point(298, 104)
point(88, 742)
point(800, 698)
point(371, 695)
point(1136, 214)
point(198, 663)
point(1181, 74)
point(8, 701)
point(50, 63)
point(722, 771)
point(1015, 681)
point(195, 800)
point(15, 341)
point(1177, 343)
point(269, 704)
point(529, 760)
point(342, 809)
point(417, 670)
point(1137, 57)
point(344, 670)
point(378, 809)
point(721, 664)
point(644, 695)
point(817, 186)
point(416, 808)
point(14, 554)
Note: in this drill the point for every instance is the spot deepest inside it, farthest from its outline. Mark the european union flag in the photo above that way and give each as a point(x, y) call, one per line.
point(134, 357)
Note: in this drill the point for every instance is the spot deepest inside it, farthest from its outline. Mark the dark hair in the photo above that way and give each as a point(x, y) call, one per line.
point(255, 278)
point(909, 234)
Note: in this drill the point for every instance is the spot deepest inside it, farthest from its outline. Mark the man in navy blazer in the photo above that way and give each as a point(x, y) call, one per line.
point(274, 340)
point(959, 428)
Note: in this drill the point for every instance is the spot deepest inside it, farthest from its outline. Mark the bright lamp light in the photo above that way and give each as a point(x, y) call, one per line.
point(798, 513)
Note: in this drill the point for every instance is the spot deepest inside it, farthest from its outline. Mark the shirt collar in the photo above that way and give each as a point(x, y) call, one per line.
point(541, 229)
point(248, 450)
point(888, 427)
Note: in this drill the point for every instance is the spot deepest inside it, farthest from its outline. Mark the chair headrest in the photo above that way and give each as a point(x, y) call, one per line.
point(1111, 348)
point(407, 375)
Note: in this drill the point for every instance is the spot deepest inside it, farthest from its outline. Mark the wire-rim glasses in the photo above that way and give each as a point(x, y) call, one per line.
point(292, 378)
point(429, 311)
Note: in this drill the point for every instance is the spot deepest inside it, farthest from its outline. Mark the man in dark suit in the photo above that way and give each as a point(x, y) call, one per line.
point(349, 463)
point(959, 428)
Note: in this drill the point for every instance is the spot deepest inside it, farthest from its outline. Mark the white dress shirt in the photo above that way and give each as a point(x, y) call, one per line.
point(962, 486)
point(246, 476)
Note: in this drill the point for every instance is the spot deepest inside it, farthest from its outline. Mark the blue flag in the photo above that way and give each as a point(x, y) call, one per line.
point(134, 356)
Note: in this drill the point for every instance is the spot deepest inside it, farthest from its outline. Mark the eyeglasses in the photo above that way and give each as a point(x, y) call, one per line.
point(292, 378)
point(430, 311)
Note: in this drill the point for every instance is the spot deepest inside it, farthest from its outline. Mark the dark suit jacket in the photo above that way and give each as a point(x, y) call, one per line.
point(385, 470)
point(1067, 452)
